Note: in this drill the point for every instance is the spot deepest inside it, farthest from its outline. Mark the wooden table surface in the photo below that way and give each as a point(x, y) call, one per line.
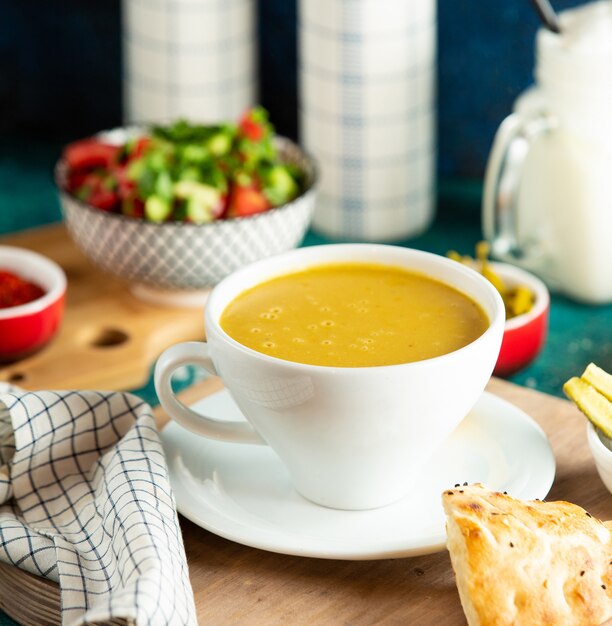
point(108, 339)
point(234, 584)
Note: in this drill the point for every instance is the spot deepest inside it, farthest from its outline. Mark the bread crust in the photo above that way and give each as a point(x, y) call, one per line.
point(527, 563)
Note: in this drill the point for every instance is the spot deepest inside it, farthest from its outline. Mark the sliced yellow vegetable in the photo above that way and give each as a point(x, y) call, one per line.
point(593, 404)
point(482, 251)
point(517, 300)
point(600, 379)
point(494, 278)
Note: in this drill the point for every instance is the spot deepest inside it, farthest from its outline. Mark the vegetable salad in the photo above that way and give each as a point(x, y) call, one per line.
point(185, 172)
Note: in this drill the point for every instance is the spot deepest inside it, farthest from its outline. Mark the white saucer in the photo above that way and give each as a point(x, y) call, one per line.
point(243, 492)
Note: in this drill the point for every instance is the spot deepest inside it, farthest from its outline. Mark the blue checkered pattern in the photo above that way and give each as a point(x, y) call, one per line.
point(86, 501)
point(188, 58)
point(367, 113)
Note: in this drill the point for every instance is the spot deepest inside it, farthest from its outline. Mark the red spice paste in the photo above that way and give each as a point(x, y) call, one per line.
point(15, 290)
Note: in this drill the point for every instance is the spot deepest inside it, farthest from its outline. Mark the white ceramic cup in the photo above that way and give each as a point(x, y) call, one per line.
point(351, 437)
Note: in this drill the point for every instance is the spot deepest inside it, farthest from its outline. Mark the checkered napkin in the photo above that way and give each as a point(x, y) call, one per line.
point(85, 501)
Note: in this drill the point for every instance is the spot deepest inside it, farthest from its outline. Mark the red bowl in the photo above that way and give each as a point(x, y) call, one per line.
point(524, 335)
point(26, 328)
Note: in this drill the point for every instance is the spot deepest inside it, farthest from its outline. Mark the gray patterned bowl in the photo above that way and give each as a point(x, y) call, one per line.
point(176, 262)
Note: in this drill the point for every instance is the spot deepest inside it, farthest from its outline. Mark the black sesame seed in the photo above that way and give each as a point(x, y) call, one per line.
point(603, 586)
point(460, 490)
point(582, 573)
point(457, 485)
point(589, 515)
point(449, 493)
point(465, 484)
point(511, 545)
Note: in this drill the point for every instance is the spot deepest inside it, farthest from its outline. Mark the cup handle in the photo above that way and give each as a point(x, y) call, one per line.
point(511, 146)
point(196, 353)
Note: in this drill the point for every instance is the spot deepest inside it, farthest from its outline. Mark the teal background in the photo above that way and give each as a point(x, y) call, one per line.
point(61, 72)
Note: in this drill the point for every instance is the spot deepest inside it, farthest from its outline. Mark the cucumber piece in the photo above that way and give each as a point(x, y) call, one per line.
point(135, 169)
point(195, 154)
point(593, 404)
point(157, 209)
point(280, 185)
point(146, 183)
point(600, 379)
point(157, 161)
point(191, 173)
point(185, 189)
point(200, 200)
point(198, 211)
point(164, 187)
point(219, 144)
point(243, 179)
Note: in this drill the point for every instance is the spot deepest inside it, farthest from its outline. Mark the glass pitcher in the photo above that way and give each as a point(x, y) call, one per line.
point(547, 202)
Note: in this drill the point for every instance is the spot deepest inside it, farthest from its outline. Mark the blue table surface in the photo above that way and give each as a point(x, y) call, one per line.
point(578, 333)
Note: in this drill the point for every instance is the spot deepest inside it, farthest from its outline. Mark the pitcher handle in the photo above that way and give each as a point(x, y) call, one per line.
point(196, 353)
point(504, 171)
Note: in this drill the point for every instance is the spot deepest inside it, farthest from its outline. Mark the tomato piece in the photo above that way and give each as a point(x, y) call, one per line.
point(125, 186)
point(103, 199)
point(249, 127)
point(90, 153)
point(74, 180)
point(138, 208)
point(85, 185)
point(132, 207)
point(140, 147)
point(221, 210)
point(99, 190)
point(93, 180)
point(246, 200)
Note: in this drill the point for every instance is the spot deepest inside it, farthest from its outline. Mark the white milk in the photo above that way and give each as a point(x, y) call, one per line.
point(552, 212)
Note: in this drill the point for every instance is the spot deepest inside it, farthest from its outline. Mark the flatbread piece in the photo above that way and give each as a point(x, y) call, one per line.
point(528, 563)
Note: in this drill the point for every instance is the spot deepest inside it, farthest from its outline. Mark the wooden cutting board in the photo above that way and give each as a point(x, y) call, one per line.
point(109, 339)
point(235, 584)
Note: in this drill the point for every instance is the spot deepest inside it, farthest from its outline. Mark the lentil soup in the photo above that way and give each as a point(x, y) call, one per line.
point(353, 315)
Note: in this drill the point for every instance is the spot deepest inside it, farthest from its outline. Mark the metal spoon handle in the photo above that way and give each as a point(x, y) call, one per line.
point(547, 15)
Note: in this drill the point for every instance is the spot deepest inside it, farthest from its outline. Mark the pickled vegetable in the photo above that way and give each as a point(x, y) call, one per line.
point(596, 407)
point(517, 300)
point(599, 379)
